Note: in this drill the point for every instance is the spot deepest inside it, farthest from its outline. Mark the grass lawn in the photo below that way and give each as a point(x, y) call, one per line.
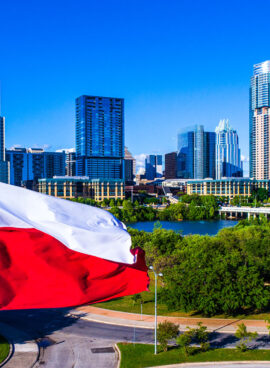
point(141, 355)
point(4, 348)
point(126, 304)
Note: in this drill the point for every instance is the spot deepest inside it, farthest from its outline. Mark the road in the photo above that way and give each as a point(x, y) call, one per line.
point(67, 341)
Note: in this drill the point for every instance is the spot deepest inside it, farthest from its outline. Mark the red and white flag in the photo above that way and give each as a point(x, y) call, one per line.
point(57, 253)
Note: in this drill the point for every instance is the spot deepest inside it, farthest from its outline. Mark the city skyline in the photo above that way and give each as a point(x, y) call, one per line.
point(190, 71)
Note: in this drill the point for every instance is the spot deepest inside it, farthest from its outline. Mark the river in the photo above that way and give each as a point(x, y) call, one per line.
point(203, 227)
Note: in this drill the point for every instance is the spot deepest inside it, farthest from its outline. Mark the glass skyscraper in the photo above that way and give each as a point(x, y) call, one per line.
point(228, 155)
point(153, 167)
point(100, 137)
point(259, 122)
point(4, 166)
point(196, 154)
point(2, 138)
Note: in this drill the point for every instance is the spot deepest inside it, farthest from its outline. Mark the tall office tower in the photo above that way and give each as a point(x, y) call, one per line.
point(4, 166)
point(2, 138)
point(228, 154)
point(153, 167)
point(259, 122)
point(196, 154)
point(100, 137)
point(130, 167)
point(199, 157)
point(171, 165)
point(209, 155)
point(185, 155)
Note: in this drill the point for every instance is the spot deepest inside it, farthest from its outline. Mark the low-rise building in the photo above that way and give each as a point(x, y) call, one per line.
point(74, 187)
point(227, 187)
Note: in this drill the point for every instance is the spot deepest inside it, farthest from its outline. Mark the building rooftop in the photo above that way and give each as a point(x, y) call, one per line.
point(262, 68)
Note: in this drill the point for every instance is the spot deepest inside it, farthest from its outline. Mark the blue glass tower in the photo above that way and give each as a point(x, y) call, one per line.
point(196, 154)
point(4, 166)
point(209, 154)
point(100, 137)
point(153, 167)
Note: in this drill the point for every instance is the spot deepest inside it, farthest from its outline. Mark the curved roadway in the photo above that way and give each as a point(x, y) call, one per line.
point(66, 341)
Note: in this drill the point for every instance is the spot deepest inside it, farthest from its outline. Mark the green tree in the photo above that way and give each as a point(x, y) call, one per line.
point(245, 337)
point(184, 341)
point(112, 203)
point(166, 331)
point(260, 194)
point(222, 274)
point(201, 335)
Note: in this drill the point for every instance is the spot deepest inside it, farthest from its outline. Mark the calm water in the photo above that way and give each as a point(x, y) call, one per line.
point(210, 227)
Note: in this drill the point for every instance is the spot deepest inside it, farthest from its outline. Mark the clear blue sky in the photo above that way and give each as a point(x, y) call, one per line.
point(176, 63)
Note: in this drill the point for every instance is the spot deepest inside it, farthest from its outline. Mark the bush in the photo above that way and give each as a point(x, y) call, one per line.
point(184, 341)
point(165, 332)
point(245, 337)
point(199, 335)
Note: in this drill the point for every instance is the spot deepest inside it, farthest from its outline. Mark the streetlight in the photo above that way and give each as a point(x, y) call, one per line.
point(156, 276)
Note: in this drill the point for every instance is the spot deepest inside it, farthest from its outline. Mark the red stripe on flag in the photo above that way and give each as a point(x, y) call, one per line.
point(38, 271)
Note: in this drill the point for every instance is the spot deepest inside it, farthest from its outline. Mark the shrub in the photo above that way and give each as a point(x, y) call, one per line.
point(184, 341)
point(165, 332)
point(245, 337)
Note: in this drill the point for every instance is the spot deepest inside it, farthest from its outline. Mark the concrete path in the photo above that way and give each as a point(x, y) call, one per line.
point(24, 352)
point(147, 321)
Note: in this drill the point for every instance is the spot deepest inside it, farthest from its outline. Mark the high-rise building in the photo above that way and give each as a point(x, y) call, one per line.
point(33, 164)
point(259, 122)
point(130, 167)
point(199, 157)
point(100, 137)
point(70, 161)
point(171, 165)
point(2, 138)
point(153, 166)
point(196, 154)
point(4, 166)
point(209, 154)
point(228, 155)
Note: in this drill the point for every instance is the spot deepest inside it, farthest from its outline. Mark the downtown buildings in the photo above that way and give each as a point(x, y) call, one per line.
point(228, 155)
point(100, 164)
point(259, 122)
point(27, 165)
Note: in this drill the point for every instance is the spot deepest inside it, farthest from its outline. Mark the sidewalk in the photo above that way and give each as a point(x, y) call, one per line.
point(24, 351)
point(147, 321)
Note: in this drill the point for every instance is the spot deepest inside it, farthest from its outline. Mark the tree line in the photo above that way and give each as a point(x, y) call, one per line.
point(228, 273)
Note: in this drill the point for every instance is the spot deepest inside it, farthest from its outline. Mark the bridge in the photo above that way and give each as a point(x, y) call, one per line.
point(243, 212)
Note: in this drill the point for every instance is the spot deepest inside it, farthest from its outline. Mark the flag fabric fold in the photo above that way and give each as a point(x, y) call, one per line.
point(58, 253)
